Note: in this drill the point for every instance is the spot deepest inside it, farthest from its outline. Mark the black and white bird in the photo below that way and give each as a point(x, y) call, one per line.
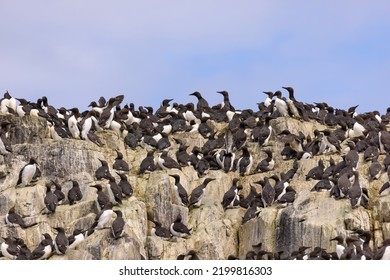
point(75, 239)
point(120, 165)
point(74, 194)
point(118, 225)
point(340, 245)
point(114, 191)
point(27, 173)
point(375, 169)
point(124, 184)
point(266, 164)
point(166, 162)
point(44, 249)
point(58, 192)
point(178, 229)
point(355, 192)
point(160, 231)
point(148, 164)
point(5, 143)
point(73, 123)
point(280, 104)
point(104, 216)
point(12, 218)
point(102, 198)
point(61, 242)
point(383, 252)
point(50, 199)
point(244, 163)
point(102, 171)
point(267, 193)
point(198, 193)
point(180, 192)
point(10, 248)
point(230, 198)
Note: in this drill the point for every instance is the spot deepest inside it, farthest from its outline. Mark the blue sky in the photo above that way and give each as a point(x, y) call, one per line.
point(76, 51)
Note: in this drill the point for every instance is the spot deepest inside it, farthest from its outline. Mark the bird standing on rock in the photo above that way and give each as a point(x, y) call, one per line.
point(12, 218)
point(27, 173)
point(117, 226)
point(179, 229)
point(50, 199)
point(44, 249)
point(180, 191)
point(198, 193)
point(120, 165)
point(74, 194)
point(102, 171)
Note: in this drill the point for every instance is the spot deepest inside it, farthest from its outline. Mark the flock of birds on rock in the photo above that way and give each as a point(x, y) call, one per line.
point(225, 150)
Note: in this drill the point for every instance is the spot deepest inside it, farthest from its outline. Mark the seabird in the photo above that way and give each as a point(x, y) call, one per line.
point(10, 248)
point(245, 202)
point(266, 164)
point(370, 153)
point(61, 242)
point(267, 193)
point(117, 226)
point(330, 170)
point(73, 123)
point(50, 199)
point(5, 143)
point(58, 192)
point(44, 249)
point(166, 162)
point(114, 191)
point(119, 164)
point(191, 255)
point(268, 100)
point(74, 194)
point(104, 216)
point(27, 173)
point(292, 103)
point(202, 104)
point(252, 212)
point(148, 164)
point(323, 184)
point(180, 191)
point(204, 129)
point(340, 190)
point(160, 231)
point(280, 104)
point(385, 189)
point(75, 239)
point(203, 165)
point(178, 229)
point(355, 191)
point(244, 163)
point(340, 246)
point(383, 252)
point(374, 170)
point(102, 171)
point(316, 172)
point(102, 198)
point(126, 187)
point(198, 193)
point(288, 197)
point(230, 196)
point(182, 156)
point(12, 218)
point(226, 160)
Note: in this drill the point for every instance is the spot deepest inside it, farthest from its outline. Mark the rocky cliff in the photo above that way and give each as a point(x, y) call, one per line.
point(311, 219)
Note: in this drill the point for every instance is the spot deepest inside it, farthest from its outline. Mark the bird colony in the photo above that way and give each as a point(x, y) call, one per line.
point(289, 180)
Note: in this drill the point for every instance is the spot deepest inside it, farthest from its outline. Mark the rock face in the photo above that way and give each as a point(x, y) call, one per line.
point(312, 219)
